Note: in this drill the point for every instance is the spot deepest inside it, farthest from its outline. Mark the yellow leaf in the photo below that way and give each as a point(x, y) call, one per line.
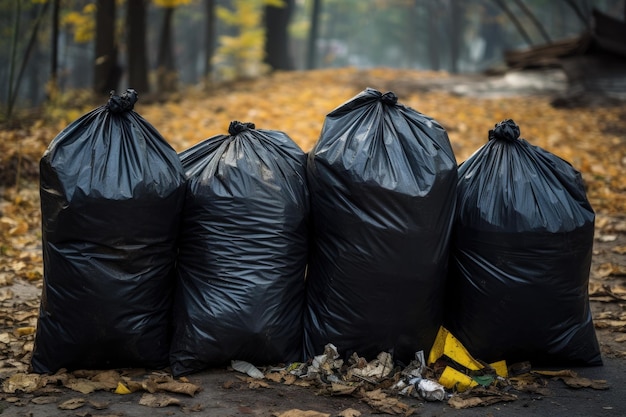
point(24, 331)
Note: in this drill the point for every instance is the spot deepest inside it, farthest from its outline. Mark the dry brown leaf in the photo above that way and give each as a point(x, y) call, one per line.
point(179, 387)
point(619, 249)
point(6, 294)
point(72, 404)
point(301, 413)
point(560, 373)
point(44, 400)
point(98, 405)
point(21, 382)
point(107, 379)
point(158, 400)
point(340, 389)
point(87, 386)
point(580, 382)
point(350, 412)
point(274, 376)
point(480, 396)
point(385, 404)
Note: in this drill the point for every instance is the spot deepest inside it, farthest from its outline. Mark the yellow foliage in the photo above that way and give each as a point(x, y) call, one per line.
point(274, 3)
point(171, 3)
point(82, 23)
point(242, 55)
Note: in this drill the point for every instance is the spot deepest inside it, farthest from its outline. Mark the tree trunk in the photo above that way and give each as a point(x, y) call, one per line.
point(411, 42)
point(166, 69)
point(433, 37)
point(456, 34)
point(313, 35)
point(276, 36)
point(136, 45)
point(491, 31)
point(210, 35)
point(107, 72)
point(54, 58)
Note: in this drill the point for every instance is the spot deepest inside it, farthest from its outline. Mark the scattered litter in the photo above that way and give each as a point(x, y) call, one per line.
point(247, 368)
point(430, 390)
point(122, 389)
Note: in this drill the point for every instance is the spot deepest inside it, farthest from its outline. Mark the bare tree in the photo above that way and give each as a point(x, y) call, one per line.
point(313, 34)
point(166, 68)
point(136, 45)
point(107, 72)
point(276, 36)
point(210, 36)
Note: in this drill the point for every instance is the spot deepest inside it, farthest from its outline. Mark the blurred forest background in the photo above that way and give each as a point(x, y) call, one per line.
point(49, 47)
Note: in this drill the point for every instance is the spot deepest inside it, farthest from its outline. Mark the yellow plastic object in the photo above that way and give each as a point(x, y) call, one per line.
point(448, 345)
point(500, 368)
point(451, 378)
point(121, 389)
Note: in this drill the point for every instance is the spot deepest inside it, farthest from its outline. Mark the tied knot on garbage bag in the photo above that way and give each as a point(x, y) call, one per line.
point(505, 130)
point(389, 98)
point(237, 127)
point(122, 103)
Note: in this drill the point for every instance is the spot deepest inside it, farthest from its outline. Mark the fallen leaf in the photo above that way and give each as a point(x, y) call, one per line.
point(98, 405)
point(619, 249)
point(24, 331)
point(21, 382)
point(350, 412)
point(340, 389)
point(72, 404)
point(84, 386)
point(385, 404)
point(579, 382)
point(480, 396)
point(44, 400)
point(563, 372)
point(301, 413)
point(158, 400)
point(179, 387)
point(274, 376)
point(108, 380)
point(6, 294)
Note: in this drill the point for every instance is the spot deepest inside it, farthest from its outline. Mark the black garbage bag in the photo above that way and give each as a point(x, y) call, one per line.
point(112, 191)
point(521, 256)
point(243, 251)
point(382, 179)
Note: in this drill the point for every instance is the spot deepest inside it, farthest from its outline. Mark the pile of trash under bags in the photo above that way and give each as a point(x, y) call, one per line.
point(448, 374)
point(251, 250)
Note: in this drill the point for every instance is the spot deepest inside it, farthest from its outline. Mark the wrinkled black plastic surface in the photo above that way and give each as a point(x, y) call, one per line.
point(521, 256)
point(243, 251)
point(382, 179)
point(111, 195)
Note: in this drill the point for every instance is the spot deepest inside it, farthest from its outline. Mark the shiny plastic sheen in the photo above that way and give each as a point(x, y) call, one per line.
point(243, 251)
point(382, 178)
point(521, 256)
point(111, 195)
